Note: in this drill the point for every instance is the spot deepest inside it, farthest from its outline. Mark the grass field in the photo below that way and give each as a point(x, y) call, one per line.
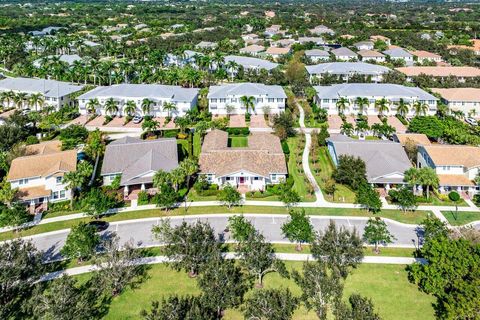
point(409, 217)
point(197, 144)
point(387, 285)
point(461, 217)
point(238, 142)
point(301, 185)
point(324, 171)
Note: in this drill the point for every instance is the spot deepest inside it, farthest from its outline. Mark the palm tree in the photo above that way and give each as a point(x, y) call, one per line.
point(147, 106)
point(95, 148)
point(36, 100)
point(382, 106)
point(402, 107)
point(362, 103)
point(248, 102)
point(346, 128)
point(342, 105)
point(130, 108)
point(92, 105)
point(232, 67)
point(169, 107)
point(189, 167)
point(111, 106)
point(177, 176)
point(182, 123)
point(420, 108)
point(20, 98)
point(150, 125)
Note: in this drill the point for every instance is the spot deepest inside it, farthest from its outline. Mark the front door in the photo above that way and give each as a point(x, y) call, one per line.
point(242, 180)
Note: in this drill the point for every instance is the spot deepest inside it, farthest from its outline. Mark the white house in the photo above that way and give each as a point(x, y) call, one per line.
point(160, 95)
point(328, 96)
point(456, 166)
point(344, 54)
point(55, 93)
point(371, 55)
point(345, 70)
point(316, 55)
point(466, 100)
point(253, 49)
point(423, 56)
point(250, 63)
point(250, 168)
point(227, 98)
point(39, 177)
point(364, 45)
point(399, 54)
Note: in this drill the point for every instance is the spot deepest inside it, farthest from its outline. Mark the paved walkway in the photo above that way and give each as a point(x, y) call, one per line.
point(230, 255)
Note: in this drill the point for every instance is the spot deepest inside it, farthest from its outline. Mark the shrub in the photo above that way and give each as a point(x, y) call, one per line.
point(31, 140)
point(476, 199)
point(182, 136)
point(170, 133)
point(454, 196)
point(285, 148)
point(143, 198)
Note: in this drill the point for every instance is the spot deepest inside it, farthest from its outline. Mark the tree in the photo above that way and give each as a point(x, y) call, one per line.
point(117, 265)
point(97, 203)
point(270, 304)
point(382, 106)
point(258, 257)
point(420, 108)
point(342, 104)
point(130, 108)
point(431, 126)
point(229, 196)
point(361, 308)
point(240, 228)
point(189, 247)
point(180, 308)
point(434, 228)
point(15, 215)
point(402, 107)
point(223, 285)
point(426, 177)
point(368, 197)
point(77, 179)
point(350, 171)
point(283, 125)
point(248, 103)
point(95, 148)
point(362, 103)
point(321, 289)
point(147, 106)
point(376, 232)
point(167, 197)
point(289, 197)
point(150, 125)
point(72, 136)
point(189, 167)
point(81, 242)
point(111, 106)
point(298, 229)
point(93, 105)
point(404, 197)
point(169, 107)
point(339, 248)
point(20, 268)
point(64, 300)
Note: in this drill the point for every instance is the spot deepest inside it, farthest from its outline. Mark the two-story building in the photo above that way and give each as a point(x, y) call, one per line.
point(461, 73)
point(466, 100)
point(456, 166)
point(161, 97)
point(55, 93)
point(231, 98)
point(39, 175)
point(316, 55)
point(249, 63)
point(344, 54)
point(249, 168)
point(345, 70)
point(399, 54)
point(328, 96)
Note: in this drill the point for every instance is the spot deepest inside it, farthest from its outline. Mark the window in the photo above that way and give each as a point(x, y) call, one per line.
point(59, 180)
point(228, 178)
point(55, 195)
point(223, 100)
point(326, 101)
point(213, 100)
point(259, 99)
point(62, 194)
point(256, 178)
point(271, 100)
point(22, 181)
point(234, 99)
point(274, 176)
point(279, 99)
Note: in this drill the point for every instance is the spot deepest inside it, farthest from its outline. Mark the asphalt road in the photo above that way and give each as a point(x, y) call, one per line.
point(139, 231)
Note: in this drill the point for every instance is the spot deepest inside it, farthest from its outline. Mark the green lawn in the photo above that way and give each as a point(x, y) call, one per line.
point(238, 142)
point(461, 217)
point(197, 144)
point(323, 170)
point(301, 185)
point(387, 285)
point(409, 217)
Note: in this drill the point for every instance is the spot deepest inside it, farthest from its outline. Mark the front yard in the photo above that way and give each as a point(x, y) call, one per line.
point(461, 217)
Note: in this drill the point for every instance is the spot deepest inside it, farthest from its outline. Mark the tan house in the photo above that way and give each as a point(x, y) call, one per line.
point(381, 38)
point(461, 73)
point(39, 176)
point(475, 47)
point(276, 52)
point(253, 167)
point(466, 100)
point(423, 56)
point(417, 138)
point(371, 55)
point(253, 49)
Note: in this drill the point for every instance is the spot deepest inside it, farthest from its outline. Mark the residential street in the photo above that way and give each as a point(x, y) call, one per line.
point(270, 225)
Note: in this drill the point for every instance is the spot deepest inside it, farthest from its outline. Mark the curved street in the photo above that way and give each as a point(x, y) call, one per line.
point(139, 231)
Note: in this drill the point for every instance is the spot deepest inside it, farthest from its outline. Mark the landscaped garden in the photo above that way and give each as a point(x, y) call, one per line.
point(387, 285)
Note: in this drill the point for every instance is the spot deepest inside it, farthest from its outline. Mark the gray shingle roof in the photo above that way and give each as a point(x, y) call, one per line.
point(344, 52)
point(246, 89)
point(347, 68)
point(133, 158)
point(49, 88)
point(151, 91)
point(398, 53)
point(252, 63)
point(316, 53)
point(382, 158)
point(371, 90)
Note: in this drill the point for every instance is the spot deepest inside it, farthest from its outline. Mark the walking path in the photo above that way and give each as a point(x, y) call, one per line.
point(230, 255)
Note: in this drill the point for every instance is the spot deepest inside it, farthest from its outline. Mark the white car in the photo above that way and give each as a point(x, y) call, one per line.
point(137, 119)
point(471, 121)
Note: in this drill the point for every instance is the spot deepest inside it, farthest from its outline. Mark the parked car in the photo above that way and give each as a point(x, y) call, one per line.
point(471, 121)
point(99, 225)
point(25, 111)
point(137, 119)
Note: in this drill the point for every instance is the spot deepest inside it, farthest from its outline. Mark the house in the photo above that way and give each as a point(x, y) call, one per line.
point(272, 30)
point(206, 45)
point(253, 49)
point(314, 40)
point(183, 99)
point(227, 98)
point(345, 70)
point(46, 31)
point(251, 38)
point(417, 138)
point(385, 161)
point(253, 167)
point(39, 175)
point(461, 73)
point(328, 96)
point(316, 55)
point(399, 54)
point(69, 59)
point(321, 29)
point(381, 38)
point(364, 45)
point(55, 93)
point(276, 52)
point(456, 166)
point(475, 47)
point(283, 43)
point(344, 54)
point(136, 161)
point(371, 55)
point(423, 56)
point(249, 63)
point(466, 100)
